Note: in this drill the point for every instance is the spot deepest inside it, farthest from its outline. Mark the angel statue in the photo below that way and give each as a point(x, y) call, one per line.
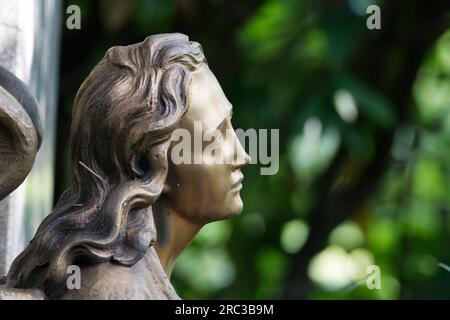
point(130, 209)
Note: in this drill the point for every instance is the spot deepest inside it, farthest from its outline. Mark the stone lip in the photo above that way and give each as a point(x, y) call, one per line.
point(20, 294)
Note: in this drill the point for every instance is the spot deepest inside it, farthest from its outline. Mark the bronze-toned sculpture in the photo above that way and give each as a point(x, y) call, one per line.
point(130, 210)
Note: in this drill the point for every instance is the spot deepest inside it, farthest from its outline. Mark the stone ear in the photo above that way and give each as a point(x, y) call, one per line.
point(21, 132)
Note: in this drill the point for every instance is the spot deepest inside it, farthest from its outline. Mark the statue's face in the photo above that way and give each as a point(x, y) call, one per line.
point(207, 191)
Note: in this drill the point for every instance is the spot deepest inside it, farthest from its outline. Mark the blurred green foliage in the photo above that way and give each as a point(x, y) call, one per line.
point(364, 151)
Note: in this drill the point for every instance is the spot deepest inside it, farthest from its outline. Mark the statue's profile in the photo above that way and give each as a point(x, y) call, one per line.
point(130, 211)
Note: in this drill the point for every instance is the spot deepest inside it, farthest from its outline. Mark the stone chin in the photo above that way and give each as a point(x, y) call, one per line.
point(233, 208)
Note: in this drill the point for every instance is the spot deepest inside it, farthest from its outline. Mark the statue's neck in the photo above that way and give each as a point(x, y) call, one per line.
point(174, 234)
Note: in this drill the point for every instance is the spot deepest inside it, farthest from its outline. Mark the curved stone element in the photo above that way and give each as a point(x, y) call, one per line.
point(21, 135)
point(22, 94)
point(18, 143)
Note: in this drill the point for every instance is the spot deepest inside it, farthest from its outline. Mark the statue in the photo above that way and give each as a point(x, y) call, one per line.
point(130, 210)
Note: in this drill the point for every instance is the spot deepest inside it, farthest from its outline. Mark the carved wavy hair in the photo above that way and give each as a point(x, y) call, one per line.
point(124, 114)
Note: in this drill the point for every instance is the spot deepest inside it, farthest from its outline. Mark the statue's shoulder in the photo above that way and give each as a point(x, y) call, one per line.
point(104, 281)
point(145, 280)
point(7, 293)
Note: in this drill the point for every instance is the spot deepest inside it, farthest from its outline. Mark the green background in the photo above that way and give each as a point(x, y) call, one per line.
point(364, 120)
